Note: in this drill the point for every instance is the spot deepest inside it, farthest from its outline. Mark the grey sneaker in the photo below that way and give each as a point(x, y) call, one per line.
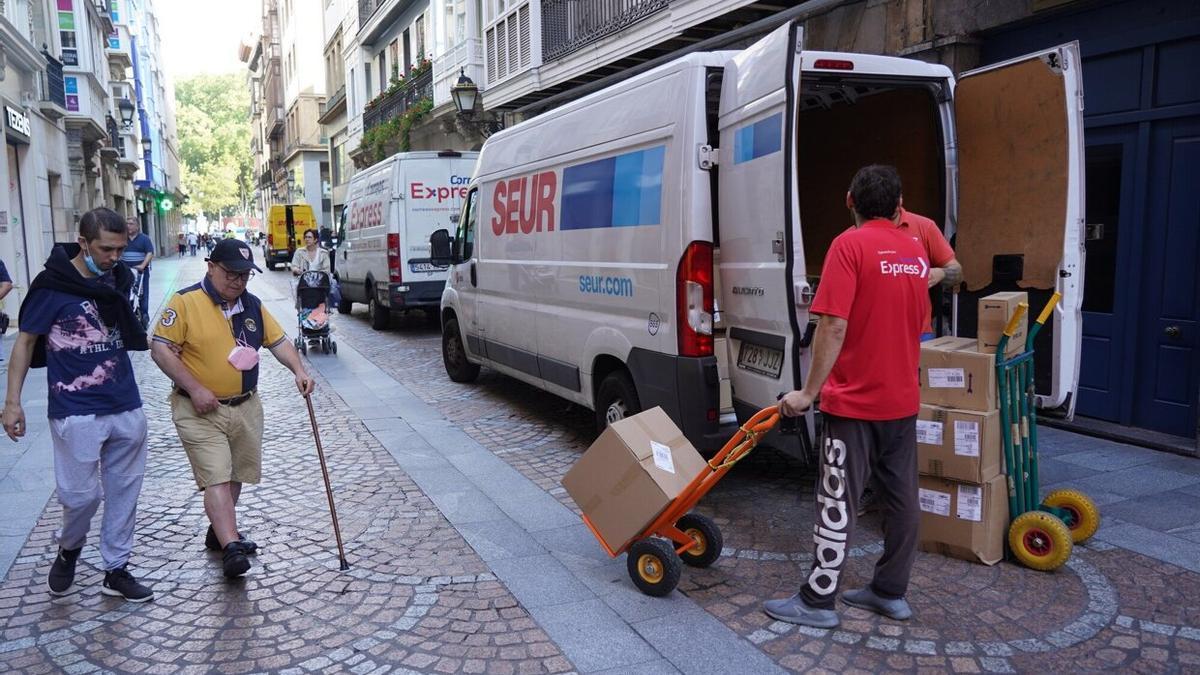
point(865, 598)
point(796, 610)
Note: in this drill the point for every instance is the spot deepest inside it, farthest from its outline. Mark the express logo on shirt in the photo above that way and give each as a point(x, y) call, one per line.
point(905, 267)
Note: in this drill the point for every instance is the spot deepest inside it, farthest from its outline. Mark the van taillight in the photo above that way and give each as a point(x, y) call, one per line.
point(393, 252)
point(694, 299)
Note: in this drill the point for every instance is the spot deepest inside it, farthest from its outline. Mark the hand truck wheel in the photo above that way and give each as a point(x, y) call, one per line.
point(707, 536)
point(1083, 517)
point(1040, 540)
point(654, 566)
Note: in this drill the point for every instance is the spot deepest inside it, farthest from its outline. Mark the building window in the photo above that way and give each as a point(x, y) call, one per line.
point(394, 49)
point(419, 35)
point(367, 79)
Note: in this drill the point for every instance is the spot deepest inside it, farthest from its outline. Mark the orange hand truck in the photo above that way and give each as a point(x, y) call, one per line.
point(656, 555)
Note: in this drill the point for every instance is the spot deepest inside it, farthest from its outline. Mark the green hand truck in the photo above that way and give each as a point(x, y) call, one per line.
point(1042, 533)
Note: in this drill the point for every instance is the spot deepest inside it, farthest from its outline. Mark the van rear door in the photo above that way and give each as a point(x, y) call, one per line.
point(764, 294)
point(1021, 196)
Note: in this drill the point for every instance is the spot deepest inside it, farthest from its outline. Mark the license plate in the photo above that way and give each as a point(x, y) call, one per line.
point(760, 359)
point(424, 267)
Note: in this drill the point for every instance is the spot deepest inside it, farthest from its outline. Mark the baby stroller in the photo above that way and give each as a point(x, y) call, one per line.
point(312, 301)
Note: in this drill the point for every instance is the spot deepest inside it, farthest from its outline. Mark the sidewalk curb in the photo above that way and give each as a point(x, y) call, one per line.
point(534, 544)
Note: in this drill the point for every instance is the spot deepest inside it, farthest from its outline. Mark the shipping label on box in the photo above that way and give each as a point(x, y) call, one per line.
point(630, 474)
point(964, 445)
point(964, 521)
point(994, 312)
point(954, 374)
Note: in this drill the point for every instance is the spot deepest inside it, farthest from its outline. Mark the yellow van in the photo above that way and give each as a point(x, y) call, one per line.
point(286, 224)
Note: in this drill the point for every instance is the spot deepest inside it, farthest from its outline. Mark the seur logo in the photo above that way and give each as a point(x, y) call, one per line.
point(525, 204)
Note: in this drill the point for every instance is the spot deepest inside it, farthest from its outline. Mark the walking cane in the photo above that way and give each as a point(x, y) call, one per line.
point(337, 531)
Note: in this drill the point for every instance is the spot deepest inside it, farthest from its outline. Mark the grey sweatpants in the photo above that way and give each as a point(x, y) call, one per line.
point(100, 457)
point(851, 451)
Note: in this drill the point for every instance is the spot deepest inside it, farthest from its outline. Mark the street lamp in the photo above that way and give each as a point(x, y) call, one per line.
point(146, 144)
point(125, 107)
point(291, 183)
point(465, 94)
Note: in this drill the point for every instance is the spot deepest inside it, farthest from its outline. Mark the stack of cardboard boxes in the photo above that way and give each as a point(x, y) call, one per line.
point(962, 488)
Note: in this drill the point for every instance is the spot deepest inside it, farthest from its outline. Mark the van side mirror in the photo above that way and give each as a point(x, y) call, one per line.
point(439, 248)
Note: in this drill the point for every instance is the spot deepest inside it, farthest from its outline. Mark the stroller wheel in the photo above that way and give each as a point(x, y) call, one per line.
point(333, 346)
point(303, 347)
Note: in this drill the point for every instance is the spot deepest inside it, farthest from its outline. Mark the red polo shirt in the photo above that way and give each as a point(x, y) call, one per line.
point(876, 278)
point(937, 249)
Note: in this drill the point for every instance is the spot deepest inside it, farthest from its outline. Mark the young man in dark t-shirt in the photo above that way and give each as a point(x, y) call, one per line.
point(872, 300)
point(77, 322)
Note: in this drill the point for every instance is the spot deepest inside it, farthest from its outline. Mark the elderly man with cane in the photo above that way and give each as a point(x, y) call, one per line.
point(207, 342)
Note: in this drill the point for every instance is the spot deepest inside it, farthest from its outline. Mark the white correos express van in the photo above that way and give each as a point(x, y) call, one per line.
point(584, 259)
point(382, 258)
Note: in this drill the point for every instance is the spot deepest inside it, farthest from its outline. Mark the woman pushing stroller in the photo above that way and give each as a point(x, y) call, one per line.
point(312, 265)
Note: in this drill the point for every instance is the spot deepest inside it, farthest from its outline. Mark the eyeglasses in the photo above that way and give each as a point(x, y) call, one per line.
point(236, 276)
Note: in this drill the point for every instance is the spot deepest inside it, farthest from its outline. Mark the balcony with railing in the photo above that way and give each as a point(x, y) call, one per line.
point(332, 106)
point(511, 44)
point(467, 57)
point(53, 103)
point(395, 102)
point(569, 25)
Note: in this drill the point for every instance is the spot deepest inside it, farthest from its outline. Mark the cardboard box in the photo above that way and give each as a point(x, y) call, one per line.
point(994, 312)
point(962, 445)
point(631, 473)
point(954, 374)
point(962, 520)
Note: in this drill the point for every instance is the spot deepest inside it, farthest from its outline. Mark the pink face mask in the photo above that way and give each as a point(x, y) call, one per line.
point(243, 358)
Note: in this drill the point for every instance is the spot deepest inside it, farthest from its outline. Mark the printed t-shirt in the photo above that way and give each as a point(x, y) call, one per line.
point(197, 320)
point(875, 277)
point(136, 250)
point(87, 368)
point(937, 249)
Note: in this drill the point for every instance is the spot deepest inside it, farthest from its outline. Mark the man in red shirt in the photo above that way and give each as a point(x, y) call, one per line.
point(944, 267)
point(873, 302)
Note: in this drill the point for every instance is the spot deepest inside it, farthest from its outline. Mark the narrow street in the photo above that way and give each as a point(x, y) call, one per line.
point(467, 556)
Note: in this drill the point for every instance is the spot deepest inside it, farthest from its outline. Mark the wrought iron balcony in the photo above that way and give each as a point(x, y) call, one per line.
point(394, 104)
point(53, 91)
point(367, 9)
point(569, 25)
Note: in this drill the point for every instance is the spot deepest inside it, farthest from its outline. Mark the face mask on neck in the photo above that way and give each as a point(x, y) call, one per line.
point(92, 266)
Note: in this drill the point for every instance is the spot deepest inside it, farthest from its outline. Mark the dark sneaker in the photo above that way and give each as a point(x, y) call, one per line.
point(121, 584)
point(213, 544)
point(868, 502)
point(796, 610)
point(62, 572)
point(865, 598)
point(235, 561)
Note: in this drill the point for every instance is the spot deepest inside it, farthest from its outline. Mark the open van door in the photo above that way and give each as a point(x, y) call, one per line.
point(1021, 198)
point(764, 294)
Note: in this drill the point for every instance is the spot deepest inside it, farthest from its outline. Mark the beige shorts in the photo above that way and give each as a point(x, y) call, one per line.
point(224, 445)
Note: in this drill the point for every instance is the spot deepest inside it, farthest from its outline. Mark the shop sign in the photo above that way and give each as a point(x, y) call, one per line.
point(17, 121)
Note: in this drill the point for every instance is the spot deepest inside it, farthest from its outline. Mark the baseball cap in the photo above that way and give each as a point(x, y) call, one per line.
point(233, 254)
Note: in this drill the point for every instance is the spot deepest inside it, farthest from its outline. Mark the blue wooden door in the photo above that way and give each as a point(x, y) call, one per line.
point(1168, 350)
point(1111, 156)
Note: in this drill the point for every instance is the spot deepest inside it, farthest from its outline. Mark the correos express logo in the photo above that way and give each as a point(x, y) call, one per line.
point(909, 266)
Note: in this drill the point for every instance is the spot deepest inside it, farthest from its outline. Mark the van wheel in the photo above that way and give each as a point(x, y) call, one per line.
point(345, 306)
point(454, 356)
point(616, 399)
point(380, 316)
point(270, 264)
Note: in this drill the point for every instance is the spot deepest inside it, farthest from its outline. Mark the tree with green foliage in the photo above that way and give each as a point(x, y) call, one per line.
point(213, 117)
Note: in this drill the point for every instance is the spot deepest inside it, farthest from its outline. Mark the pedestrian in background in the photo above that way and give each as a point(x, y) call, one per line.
point(137, 257)
point(6, 286)
point(311, 257)
point(193, 243)
point(207, 342)
point(873, 301)
point(182, 244)
point(76, 322)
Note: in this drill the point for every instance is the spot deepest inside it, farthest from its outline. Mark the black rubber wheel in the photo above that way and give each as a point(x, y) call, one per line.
point(303, 346)
point(325, 346)
point(654, 566)
point(380, 317)
point(333, 346)
point(616, 399)
point(454, 356)
point(345, 306)
point(707, 536)
point(271, 265)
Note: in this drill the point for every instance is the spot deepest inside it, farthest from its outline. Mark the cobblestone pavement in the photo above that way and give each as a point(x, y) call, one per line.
point(417, 598)
point(1110, 609)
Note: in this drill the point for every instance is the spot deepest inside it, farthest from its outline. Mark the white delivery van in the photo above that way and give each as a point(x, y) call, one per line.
point(382, 257)
point(583, 262)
